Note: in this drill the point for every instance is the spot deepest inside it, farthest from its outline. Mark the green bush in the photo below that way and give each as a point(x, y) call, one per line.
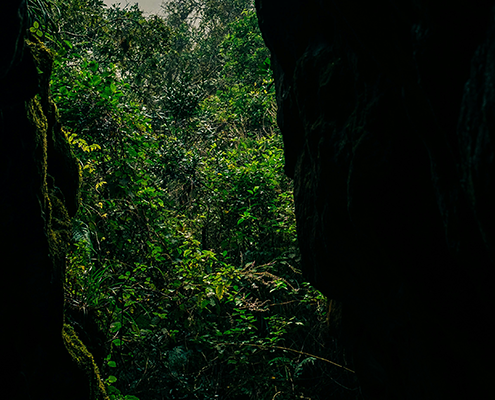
point(184, 250)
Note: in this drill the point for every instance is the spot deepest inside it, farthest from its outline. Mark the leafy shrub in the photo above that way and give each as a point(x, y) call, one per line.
point(184, 252)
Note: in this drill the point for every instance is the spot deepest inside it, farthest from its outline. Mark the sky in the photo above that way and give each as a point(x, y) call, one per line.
point(148, 6)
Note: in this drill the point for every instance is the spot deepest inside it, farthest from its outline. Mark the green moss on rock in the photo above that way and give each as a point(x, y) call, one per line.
point(63, 166)
point(56, 185)
point(85, 362)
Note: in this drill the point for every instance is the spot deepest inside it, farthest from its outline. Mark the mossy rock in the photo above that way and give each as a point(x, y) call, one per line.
point(57, 188)
point(85, 362)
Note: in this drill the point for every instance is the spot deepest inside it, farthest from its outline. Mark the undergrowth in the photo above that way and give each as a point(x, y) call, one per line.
point(183, 275)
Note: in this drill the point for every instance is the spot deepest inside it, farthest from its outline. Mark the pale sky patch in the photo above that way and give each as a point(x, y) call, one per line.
point(148, 6)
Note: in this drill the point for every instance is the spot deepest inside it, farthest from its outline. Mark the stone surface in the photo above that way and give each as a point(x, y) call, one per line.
point(387, 112)
point(39, 181)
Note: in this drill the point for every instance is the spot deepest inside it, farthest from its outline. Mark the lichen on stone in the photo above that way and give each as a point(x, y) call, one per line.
point(85, 362)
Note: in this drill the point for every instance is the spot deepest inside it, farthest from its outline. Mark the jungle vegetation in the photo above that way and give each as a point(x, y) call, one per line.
point(183, 275)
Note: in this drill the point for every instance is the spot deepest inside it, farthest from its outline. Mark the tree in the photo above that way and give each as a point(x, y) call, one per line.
point(182, 270)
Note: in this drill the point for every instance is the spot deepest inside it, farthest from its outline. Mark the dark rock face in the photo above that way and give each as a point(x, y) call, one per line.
point(387, 109)
point(38, 194)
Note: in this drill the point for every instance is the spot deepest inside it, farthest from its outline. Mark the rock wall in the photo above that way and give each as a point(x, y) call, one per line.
point(38, 194)
point(387, 113)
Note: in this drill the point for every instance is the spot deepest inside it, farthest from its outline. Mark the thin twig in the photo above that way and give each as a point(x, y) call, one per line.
point(292, 350)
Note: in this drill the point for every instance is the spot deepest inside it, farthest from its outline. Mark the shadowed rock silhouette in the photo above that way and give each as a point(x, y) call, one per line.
point(387, 113)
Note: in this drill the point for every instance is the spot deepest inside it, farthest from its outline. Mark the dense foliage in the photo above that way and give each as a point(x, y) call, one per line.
point(183, 274)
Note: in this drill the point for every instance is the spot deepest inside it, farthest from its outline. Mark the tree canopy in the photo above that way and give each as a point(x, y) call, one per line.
point(183, 275)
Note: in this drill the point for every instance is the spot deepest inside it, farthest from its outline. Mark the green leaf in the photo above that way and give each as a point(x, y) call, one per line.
point(113, 392)
point(112, 364)
point(112, 379)
point(219, 290)
point(115, 326)
point(95, 80)
point(93, 66)
point(61, 53)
